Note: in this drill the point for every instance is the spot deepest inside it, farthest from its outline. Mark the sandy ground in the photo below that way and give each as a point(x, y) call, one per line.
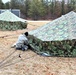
point(30, 63)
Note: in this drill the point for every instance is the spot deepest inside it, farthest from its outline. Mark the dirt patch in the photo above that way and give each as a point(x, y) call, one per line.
point(30, 63)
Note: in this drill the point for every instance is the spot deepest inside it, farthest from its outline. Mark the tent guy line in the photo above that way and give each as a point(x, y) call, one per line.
point(17, 61)
point(7, 57)
point(8, 62)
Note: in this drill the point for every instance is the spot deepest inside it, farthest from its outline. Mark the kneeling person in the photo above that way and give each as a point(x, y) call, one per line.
point(22, 42)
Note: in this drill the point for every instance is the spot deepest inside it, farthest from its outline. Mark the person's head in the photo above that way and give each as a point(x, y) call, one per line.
point(26, 33)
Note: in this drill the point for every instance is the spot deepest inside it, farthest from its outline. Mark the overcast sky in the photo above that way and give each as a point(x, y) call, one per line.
point(4, 1)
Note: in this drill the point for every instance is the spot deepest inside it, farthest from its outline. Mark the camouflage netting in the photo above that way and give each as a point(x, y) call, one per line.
point(9, 21)
point(65, 48)
point(12, 25)
point(57, 38)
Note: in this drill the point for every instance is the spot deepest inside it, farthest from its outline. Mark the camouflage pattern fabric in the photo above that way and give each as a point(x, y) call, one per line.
point(57, 37)
point(9, 21)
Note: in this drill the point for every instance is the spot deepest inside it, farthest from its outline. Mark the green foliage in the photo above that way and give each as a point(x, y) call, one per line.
point(14, 4)
point(36, 9)
point(62, 10)
point(1, 4)
point(26, 7)
point(71, 5)
point(52, 6)
point(7, 5)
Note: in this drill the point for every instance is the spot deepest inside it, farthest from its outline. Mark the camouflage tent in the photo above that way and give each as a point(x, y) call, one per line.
point(9, 21)
point(57, 38)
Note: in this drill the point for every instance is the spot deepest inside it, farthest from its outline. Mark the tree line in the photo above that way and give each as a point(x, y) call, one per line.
point(41, 9)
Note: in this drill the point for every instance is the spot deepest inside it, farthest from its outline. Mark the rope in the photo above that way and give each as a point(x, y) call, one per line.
point(17, 61)
point(7, 57)
point(5, 62)
point(2, 63)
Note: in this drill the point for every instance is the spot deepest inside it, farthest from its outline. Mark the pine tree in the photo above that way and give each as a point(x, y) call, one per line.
point(71, 5)
point(26, 7)
point(14, 4)
point(7, 5)
point(1, 4)
point(37, 9)
point(62, 9)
